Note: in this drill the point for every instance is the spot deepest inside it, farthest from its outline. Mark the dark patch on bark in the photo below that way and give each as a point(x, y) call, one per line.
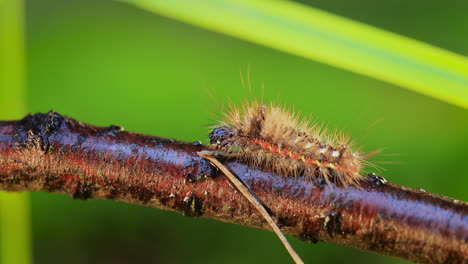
point(376, 180)
point(82, 191)
point(199, 169)
point(332, 224)
point(309, 237)
point(113, 130)
point(286, 221)
point(35, 130)
point(192, 206)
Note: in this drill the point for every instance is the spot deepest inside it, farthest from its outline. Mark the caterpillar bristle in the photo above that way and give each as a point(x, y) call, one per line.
point(272, 138)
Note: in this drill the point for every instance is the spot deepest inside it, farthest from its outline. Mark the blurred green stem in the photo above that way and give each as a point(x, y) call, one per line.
point(15, 233)
point(331, 39)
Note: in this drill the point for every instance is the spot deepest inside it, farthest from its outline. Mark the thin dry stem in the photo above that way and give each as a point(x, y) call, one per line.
point(255, 202)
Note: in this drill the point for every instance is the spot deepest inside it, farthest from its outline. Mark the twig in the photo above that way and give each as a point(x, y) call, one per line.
point(49, 152)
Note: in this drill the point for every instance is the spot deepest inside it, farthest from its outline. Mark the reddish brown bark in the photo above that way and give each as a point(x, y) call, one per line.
point(49, 152)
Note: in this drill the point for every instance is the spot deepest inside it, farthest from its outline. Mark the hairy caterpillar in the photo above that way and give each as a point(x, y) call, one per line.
point(270, 137)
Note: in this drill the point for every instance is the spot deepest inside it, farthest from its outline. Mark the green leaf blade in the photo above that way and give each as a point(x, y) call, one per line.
point(15, 226)
point(334, 40)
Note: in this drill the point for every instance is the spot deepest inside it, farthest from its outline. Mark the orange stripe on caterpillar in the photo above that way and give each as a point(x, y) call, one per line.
point(277, 140)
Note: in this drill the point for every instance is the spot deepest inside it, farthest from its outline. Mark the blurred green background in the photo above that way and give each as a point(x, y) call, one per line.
point(105, 62)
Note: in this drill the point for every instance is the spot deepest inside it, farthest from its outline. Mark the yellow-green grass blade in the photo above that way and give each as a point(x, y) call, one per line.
point(331, 39)
point(15, 234)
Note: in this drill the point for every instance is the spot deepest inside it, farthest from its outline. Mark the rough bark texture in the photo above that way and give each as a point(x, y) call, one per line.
point(49, 152)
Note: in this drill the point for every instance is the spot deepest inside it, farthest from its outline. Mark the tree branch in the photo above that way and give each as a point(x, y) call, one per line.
point(49, 152)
